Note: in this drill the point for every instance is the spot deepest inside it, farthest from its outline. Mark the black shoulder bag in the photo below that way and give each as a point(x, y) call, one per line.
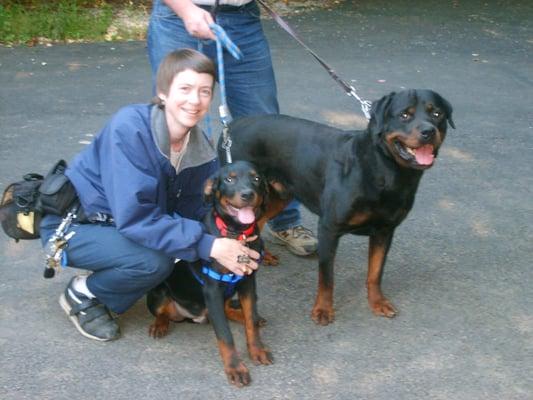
point(25, 202)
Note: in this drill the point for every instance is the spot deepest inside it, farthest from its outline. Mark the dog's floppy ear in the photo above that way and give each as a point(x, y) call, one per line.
point(379, 111)
point(210, 187)
point(448, 109)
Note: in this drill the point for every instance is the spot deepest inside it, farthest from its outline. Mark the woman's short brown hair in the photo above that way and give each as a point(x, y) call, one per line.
point(181, 60)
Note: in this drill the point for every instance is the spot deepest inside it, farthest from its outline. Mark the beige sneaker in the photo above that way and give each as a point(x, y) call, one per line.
point(299, 240)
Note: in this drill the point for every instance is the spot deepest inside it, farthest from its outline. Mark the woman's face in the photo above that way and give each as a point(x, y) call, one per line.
point(187, 101)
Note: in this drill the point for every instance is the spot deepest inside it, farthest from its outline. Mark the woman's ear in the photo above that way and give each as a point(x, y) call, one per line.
point(162, 98)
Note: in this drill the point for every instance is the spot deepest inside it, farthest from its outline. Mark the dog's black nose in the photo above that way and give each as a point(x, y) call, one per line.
point(247, 195)
point(428, 132)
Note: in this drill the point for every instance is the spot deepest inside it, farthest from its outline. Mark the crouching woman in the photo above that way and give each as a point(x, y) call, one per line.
point(140, 188)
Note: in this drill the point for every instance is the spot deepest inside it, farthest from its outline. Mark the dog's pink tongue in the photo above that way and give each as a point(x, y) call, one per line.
point(246, 215)
point(424, 155)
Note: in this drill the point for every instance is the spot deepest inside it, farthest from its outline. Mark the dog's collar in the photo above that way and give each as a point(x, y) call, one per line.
point(223, 228)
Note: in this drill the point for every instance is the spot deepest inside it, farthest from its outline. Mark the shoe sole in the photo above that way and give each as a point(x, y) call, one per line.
point(66, 307)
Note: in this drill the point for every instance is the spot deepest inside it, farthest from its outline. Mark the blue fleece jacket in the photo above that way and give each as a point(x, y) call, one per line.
point(126, 173)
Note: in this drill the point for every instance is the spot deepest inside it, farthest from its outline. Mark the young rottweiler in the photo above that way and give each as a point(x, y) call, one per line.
point(358, 182)
point(195, 291)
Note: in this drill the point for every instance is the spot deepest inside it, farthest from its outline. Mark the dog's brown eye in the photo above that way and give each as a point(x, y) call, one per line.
point(228, 179)
point(405, 116)
point(256, 179)
point(436, 114)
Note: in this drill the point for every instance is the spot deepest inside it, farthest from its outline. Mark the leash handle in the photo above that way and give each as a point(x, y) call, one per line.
point(350, 90)
point(223, 37)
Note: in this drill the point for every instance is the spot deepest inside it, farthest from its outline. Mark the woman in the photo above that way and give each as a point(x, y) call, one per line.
point(140, 186)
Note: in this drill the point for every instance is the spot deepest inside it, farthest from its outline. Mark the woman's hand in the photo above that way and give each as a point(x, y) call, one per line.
point(235, 256)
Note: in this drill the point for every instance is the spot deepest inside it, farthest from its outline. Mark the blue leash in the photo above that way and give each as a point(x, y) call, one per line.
point(222, 40)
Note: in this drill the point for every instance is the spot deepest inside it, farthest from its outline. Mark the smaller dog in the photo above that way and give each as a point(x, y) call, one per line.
point(200, 289)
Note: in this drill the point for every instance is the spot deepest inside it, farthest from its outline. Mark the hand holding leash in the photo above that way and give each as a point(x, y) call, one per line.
point(197, 21)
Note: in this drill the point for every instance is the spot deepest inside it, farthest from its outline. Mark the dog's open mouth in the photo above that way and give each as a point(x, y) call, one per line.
point(245, 215)
point(423, 155)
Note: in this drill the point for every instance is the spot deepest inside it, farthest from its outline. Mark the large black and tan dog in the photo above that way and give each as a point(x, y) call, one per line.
point(195, 291)
point(359, 182)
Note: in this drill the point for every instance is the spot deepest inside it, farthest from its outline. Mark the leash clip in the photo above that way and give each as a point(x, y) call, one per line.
point(366, 105)
point(226, 144)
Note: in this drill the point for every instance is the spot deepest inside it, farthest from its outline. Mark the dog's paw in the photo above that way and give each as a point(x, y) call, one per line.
point(260, 356)
point(158, 329)
point(270, 259)
point(238, 375)
point(323, 316)
point(383, 308)
point(260, 321)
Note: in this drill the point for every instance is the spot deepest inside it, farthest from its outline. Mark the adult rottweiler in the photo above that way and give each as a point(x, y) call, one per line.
point(358, 182)
point(195, 291)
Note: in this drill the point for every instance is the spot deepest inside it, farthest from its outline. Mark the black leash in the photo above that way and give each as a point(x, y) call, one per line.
point(350, 90)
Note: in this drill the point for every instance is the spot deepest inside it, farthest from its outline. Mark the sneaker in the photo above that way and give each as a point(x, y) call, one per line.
point(92, 318)
point(299, 240)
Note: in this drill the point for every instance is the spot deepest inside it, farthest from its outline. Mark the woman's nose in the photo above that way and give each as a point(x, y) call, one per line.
point(194, 97)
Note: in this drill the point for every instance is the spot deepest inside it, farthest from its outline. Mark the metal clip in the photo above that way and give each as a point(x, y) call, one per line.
point(366, 105)
point(55, 256)
point(226, 144)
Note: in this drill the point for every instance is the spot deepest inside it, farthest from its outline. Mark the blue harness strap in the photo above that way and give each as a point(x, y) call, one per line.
point(230, 279)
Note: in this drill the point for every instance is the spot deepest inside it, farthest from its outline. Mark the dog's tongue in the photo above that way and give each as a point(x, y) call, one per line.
point(246, 215)
point(424, 155)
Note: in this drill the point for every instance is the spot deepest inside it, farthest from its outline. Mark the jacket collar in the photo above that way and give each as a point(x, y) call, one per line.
point(200, 149)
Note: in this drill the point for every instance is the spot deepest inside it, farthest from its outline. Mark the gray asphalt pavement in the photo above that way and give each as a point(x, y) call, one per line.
point(460, 266)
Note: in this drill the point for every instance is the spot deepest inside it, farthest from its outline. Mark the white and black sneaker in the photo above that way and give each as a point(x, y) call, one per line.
point(299, 240)
point(92, 318)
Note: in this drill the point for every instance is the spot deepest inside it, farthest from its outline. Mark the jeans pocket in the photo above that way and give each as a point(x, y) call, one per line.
point(252, 10)
point(161, 10)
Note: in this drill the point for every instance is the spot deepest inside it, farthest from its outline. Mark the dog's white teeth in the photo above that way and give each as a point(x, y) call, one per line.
point(411, 151)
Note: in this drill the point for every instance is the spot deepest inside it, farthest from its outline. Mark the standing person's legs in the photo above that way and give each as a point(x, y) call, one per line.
point(122, 272)
point(251, 90)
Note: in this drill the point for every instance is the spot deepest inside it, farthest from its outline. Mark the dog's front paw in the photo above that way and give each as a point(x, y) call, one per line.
point(382, 307)
point(260, 321)
point(323, 316)
point(238, 375)
point(260, 356)
point(270, 259)
point(159, 328)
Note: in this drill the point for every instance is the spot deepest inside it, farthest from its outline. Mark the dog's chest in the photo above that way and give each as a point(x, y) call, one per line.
point(381, 209)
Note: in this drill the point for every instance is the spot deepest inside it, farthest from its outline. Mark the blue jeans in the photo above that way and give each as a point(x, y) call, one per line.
point(123, 271)
point(250, 82)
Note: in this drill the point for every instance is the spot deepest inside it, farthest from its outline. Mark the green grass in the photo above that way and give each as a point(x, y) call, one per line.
point(54, 20)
